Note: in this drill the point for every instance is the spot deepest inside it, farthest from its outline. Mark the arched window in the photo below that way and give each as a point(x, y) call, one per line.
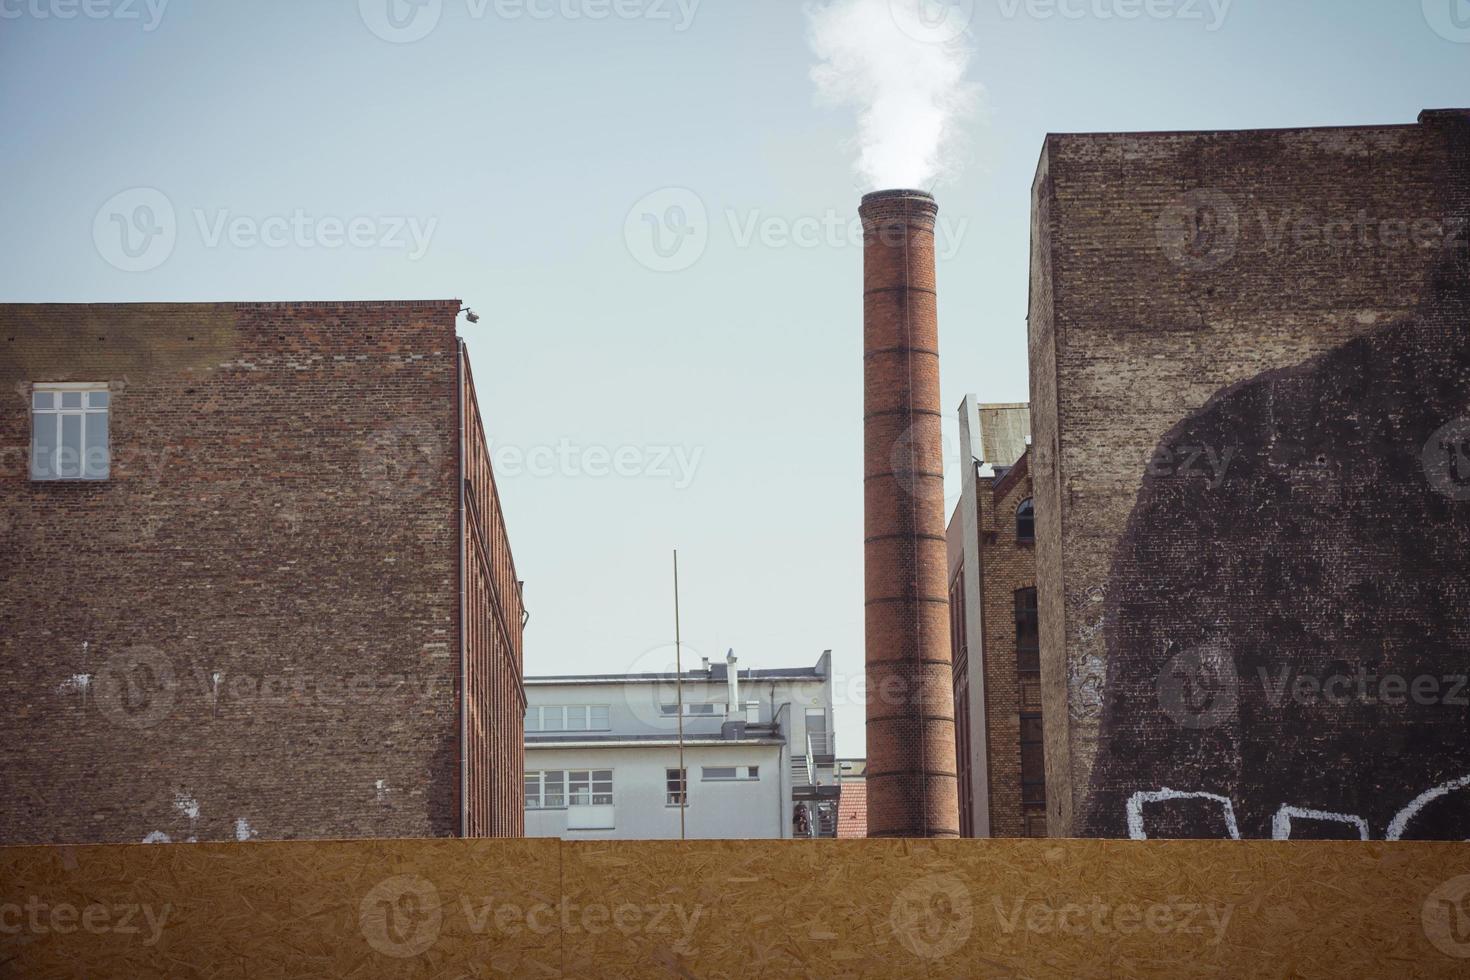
point(1025, 521)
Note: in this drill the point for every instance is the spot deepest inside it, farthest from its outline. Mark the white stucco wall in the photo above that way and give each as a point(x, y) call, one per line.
point(760, 808)
point(739, 809)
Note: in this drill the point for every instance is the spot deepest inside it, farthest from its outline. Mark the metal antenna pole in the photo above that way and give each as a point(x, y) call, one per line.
point(679, 689)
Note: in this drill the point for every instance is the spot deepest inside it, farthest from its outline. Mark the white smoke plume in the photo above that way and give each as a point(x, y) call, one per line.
point(901, 64)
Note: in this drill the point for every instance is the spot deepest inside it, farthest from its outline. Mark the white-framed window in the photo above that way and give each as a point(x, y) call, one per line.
point(729, 774)
point(589, 787)
point(546, 790)
point(701, 709)
point(569, 718)
point(69, 431)
point(676, 782)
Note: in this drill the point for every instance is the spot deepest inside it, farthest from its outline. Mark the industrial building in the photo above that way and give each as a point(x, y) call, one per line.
point(256, 582)
point(604, 751)
point(1251, 456)
point(991, 542)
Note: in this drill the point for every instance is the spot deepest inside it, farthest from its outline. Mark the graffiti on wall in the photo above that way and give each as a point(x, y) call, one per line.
point(1288, 633)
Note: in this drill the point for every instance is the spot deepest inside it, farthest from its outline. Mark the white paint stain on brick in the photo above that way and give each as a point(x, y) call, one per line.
point(187, 805)
point(243, 830)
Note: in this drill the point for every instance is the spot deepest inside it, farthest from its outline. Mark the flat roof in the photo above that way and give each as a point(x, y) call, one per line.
point(329, 304)
point(689, 676)
point(607, 739)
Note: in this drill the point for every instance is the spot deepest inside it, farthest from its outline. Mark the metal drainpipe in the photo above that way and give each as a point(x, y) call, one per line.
point(464, 674)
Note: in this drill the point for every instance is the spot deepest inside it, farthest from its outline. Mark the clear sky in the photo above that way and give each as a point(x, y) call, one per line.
point(521, 139)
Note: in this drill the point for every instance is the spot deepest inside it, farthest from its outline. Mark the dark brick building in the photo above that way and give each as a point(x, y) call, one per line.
point(1250, 377)
point(993, 625)
point(257, 612)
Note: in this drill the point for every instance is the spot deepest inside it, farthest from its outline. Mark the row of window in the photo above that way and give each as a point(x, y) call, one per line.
point(568, 718)
point(676, 781)
point(557, 789)
point(597, 717)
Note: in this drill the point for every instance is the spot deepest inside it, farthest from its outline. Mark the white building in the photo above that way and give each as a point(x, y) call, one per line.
point(602, 754)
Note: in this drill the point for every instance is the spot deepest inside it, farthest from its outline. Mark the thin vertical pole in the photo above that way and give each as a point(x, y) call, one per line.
point(679, 697)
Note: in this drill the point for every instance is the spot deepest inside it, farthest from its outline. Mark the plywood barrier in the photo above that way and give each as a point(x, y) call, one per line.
point(542, 908)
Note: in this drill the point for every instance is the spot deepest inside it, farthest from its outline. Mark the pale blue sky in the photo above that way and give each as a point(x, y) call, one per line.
point(519, 144)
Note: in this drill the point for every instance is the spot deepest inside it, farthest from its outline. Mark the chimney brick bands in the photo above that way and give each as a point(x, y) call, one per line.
point(912, 786)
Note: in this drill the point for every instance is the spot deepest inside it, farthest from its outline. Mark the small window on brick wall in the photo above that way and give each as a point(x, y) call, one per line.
point(69, 438)
point(1026, 521)
point(1028, 631)
point(1033, 760)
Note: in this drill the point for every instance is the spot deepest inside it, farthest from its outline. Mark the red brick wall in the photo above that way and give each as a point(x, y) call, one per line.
point(253, 625)
point(494, 620)
point(912, 789)
point(852, 809)
point(1009, 565)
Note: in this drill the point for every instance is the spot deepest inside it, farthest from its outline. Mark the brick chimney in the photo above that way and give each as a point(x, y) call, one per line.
point(912, 787)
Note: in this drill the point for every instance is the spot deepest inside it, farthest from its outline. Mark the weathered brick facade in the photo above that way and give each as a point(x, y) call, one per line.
point(1250, 380)
point(254, 626)
point(993, 625)
point(910, 705)
point(1012, 682)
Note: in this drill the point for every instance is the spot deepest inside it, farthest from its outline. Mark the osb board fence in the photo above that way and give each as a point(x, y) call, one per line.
point(542, 908)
